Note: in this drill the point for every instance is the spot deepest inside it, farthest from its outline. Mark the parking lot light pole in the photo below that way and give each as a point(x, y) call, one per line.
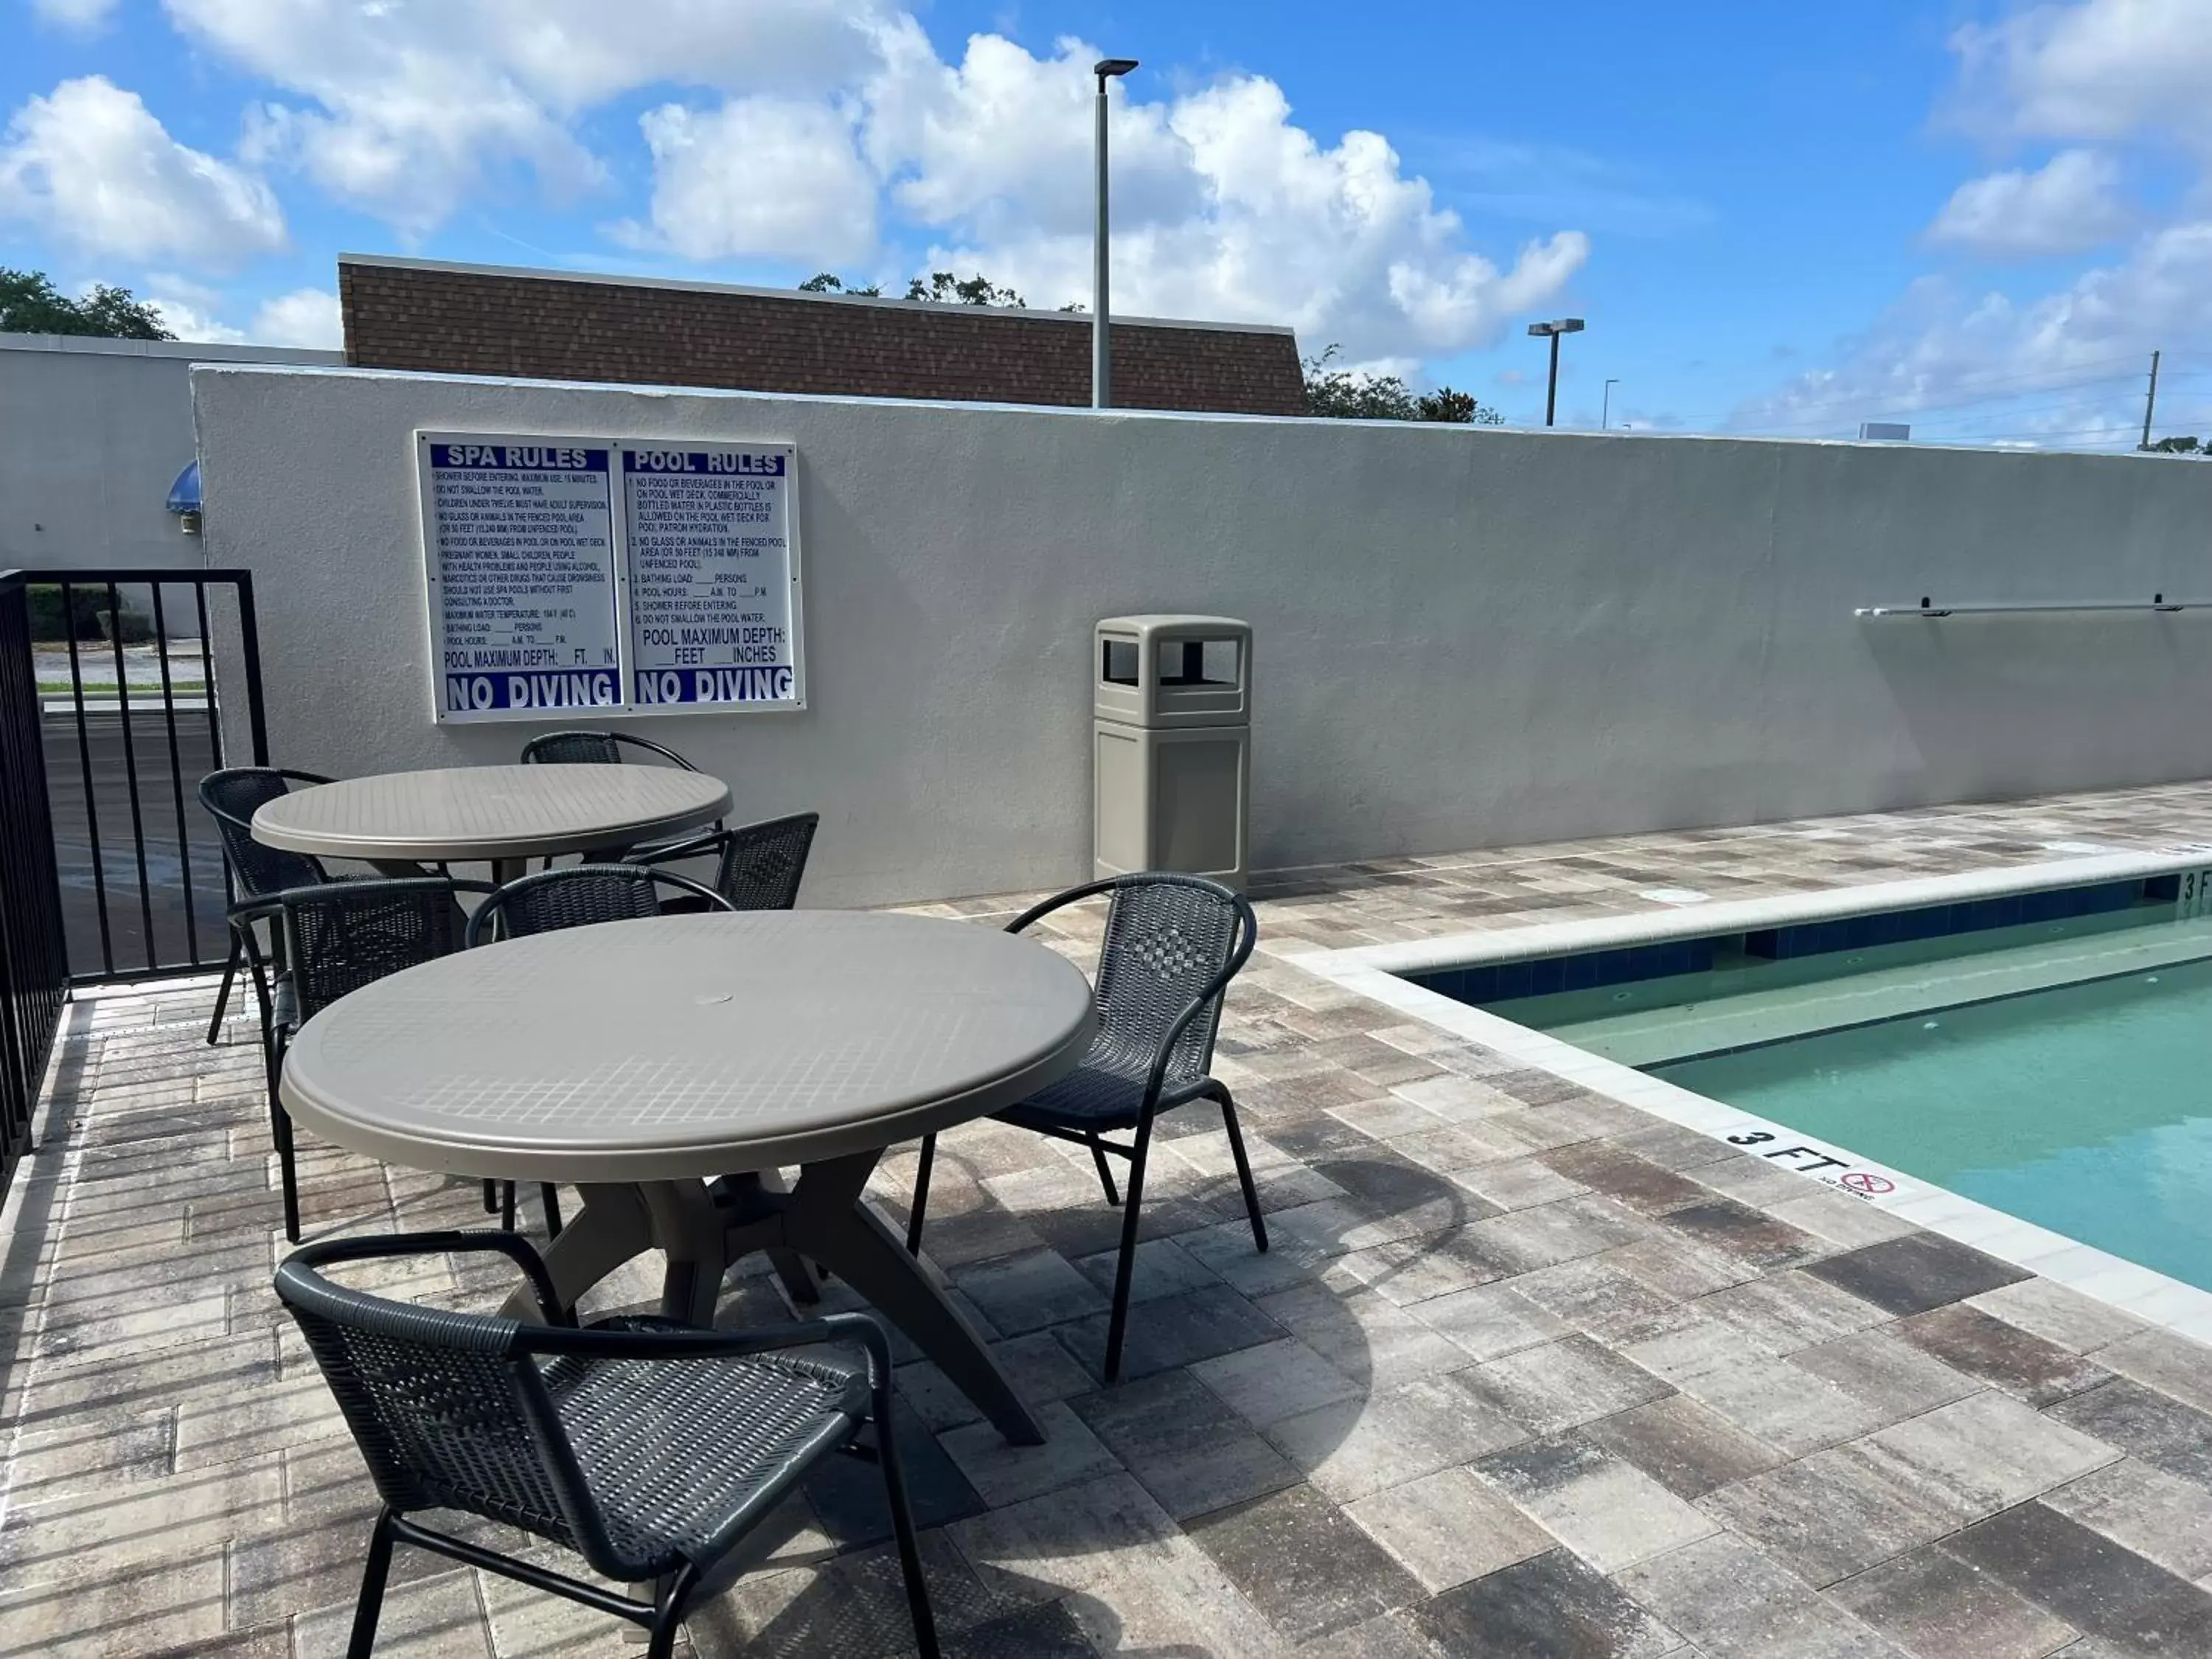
point(1102, 367)
point(1555, 329)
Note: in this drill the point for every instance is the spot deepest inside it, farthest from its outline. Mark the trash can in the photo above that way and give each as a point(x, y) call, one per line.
point(1171, 747)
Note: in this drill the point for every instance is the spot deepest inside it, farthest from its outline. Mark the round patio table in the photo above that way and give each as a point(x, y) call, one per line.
point(641, 1061)
point(503, 816)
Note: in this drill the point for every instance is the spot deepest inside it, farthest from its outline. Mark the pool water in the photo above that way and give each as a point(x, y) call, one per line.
point(2086, 1108)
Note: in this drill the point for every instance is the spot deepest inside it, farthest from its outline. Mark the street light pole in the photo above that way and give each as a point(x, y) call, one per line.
point(1102, 351)
point(1605, 418)
point(1555, 329)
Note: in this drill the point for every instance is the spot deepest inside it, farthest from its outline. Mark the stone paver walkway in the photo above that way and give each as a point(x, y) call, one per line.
point(1528, 1372)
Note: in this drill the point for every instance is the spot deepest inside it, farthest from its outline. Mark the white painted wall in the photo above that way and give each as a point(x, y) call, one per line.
point(92, 432)
point(1465, 637)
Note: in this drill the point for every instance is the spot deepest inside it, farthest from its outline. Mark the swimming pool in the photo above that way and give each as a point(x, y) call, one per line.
point(2048, 1055)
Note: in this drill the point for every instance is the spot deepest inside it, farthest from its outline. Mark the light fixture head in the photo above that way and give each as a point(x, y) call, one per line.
point(1558, 326)
point(1107, 68)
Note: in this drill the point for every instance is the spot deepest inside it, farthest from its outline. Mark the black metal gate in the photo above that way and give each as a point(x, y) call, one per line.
point(34, 954)
point(135, 671)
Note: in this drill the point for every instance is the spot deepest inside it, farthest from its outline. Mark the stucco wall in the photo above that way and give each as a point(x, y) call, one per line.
point(92, 432)
point(1464, 637)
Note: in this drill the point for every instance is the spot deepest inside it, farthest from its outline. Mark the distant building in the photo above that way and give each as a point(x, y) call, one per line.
point(1885, 432)
point(546, 324)
point(93, 433)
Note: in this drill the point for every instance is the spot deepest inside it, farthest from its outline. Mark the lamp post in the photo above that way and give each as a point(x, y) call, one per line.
point(1102, 366)
point(1605, 415)
point(1555, 329)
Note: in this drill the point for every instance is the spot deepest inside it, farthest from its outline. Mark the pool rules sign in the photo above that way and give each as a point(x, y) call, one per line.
point(713, 594)
point(599, 576)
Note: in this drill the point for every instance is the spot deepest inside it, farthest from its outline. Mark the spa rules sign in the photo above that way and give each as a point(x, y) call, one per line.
point(713, 586)
point(596, 576)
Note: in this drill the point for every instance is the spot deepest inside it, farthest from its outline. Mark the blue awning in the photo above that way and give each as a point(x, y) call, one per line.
point(185, 494)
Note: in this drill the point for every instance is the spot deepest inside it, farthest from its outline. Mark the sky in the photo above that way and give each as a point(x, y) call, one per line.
point(1977, 216)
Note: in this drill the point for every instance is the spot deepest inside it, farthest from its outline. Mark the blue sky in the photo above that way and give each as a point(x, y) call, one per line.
point(1975, 216)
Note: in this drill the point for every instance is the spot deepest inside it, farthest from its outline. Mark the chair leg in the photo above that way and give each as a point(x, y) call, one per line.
point(909, 1553)
point(372, 1588)
point(1105, 1173)
point(668, 1615)
point(280, 1135)
point(492, 1198)
point(222, 991)
point(506, 1207)
point(1243, 1172)
point(1117, 1324)
point(920, 1195)
point(551, 1199)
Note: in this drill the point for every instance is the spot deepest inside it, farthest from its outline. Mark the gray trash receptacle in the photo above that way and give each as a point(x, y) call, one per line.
point(1171, 747)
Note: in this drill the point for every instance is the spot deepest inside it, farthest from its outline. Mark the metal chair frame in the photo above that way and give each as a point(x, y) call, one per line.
point(237, 833)
point(292, 997)
point(581, 1524)
point(733, 848)
point(495, 910)
point(612, 742)
point(1157, 1096)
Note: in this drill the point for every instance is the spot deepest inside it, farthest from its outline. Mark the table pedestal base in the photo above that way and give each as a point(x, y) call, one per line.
point(822, 1219)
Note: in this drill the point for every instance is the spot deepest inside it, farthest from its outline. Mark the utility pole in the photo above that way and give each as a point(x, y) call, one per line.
point(1102, 352)
point(2150, 402)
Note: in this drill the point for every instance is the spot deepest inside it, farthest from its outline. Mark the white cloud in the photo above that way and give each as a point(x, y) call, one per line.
point(305, 317)
point(413, 105)
point(763, 177)
point(187, 311)
point(74, 14)
point(830, 117)
point(2097, 70)
point(91, 164)
point(1224, 207)
point(2070, 203)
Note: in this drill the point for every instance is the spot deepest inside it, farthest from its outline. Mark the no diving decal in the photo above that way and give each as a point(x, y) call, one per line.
point(1818, 1162)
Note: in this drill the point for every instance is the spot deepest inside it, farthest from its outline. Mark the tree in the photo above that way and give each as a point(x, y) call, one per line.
point(2177, 447)
point(31, 304)
point(1341, 394)
point(947, 290)
point(823, 282)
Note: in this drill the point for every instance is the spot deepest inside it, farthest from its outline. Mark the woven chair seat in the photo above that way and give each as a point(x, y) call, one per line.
point(1107, 1091)
point(673, 1449)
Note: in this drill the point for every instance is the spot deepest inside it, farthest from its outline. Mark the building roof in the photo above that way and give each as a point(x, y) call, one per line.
point(433, 317)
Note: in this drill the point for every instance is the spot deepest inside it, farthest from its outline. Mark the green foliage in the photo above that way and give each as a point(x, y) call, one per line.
point(977, 290)
point(44, 601)
point(31, 304)
point(1340, 394)
point(2178, 446)
point(825, 283)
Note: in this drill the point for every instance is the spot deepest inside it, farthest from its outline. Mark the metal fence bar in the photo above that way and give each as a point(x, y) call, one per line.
point(130, 767)
point(34, 952)
point(177, 771)
point(183, 727)
point(91, 790)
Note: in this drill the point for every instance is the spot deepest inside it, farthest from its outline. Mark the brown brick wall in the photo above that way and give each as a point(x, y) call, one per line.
point(556, 328)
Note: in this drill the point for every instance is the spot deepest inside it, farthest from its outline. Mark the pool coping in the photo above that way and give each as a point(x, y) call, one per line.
point(1375, 972)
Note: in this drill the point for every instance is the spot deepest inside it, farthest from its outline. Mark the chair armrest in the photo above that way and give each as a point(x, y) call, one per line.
point(698, 846)
point(513, 1246)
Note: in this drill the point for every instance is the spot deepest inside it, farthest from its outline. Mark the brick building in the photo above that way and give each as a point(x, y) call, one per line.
point(542, 324)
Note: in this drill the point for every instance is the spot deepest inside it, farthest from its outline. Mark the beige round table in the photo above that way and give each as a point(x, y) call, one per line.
point(642, 1060)
point(503, 816)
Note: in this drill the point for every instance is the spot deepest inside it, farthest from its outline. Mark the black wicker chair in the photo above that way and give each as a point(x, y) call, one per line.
point(337, 937)
point(649, 1448)
point(758, 866)
point(1172, 944)
point(231, 798)
point(593, 748)
point(581, 896)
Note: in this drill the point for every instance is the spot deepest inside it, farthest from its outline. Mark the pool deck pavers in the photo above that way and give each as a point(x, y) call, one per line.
point(1527, 1371)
